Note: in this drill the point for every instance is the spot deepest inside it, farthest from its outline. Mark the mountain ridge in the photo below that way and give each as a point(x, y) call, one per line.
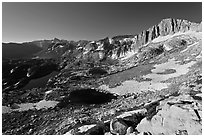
point(150, 83)
point(125, 35)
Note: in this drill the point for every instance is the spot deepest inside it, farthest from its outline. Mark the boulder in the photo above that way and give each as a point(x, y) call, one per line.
point(93, 129)
point(177, 115)
point(118, 127)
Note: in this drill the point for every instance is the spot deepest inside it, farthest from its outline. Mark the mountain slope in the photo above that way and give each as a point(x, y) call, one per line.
point(145, 84)
point(119, 46)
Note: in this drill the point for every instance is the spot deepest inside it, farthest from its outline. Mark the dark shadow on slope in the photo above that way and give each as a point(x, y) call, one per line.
point(86, 96)
point(97, 71)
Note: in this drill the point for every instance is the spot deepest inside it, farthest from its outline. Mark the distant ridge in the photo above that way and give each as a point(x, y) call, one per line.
point(165, 27)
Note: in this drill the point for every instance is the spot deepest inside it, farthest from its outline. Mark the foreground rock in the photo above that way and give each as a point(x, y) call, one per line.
point(171, 115)
point(177, 116)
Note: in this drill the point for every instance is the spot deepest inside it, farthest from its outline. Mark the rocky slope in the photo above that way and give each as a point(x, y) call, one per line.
point(145, 84)
point(119, 46)
point(18, 73)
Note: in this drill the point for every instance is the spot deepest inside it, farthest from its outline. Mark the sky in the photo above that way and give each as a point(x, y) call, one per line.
point(23, 21)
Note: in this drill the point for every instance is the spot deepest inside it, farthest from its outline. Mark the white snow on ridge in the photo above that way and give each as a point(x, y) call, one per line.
point(189, 47)
point(191, 33)
point(100, 47)
point(163, 38)
point(128, 55)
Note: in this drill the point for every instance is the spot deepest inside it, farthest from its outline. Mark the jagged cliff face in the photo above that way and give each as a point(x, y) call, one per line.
point(166, 27)
point(115, 48)
point(120, 46)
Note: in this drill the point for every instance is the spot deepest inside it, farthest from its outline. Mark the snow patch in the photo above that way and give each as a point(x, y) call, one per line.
point(27, 106)
point(100, 47)
point(167, 47)
point(79, 48)
point(17, 83)
point(85, 52)
point(131, 86)
point(164, 38)
point(171, 64)
point(6, 109)
point(49, 91)
point(12, 71)
point(128, 55)
point(198, 35)
point(196, 43)
point(28, 75)
point(45, 104)
point(110, 41)
point(86, 128)
point(199, 95)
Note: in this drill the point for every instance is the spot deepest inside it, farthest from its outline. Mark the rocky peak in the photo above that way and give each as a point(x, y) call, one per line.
point(166, 27)
point(56, 40)
point(121, 45)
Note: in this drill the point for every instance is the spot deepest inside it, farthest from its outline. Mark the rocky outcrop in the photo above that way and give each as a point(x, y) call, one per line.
point(170, 115)
point(17, 73)
point(179, 115)
point(108, 49)
point(119, 46)
point(166, 27)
